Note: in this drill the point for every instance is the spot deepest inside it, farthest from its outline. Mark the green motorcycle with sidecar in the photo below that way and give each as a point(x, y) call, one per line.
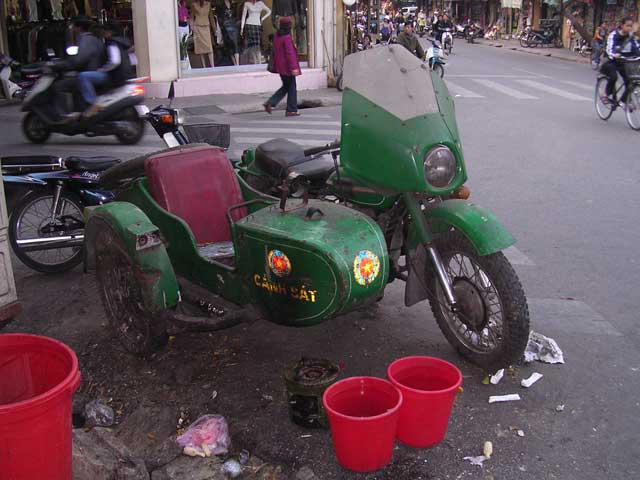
point(194, 242)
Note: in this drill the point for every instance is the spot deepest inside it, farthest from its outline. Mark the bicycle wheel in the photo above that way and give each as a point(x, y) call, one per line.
point(632, 110)
point(604, 107)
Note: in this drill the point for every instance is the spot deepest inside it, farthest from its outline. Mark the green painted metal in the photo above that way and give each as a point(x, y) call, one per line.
point(321, 279)
point(153, 266)
point(419, 232)
point(479, 225)
point(380, 150)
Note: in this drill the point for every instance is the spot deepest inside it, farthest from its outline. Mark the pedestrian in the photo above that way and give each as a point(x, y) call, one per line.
point(599, 37)
point(285, 63)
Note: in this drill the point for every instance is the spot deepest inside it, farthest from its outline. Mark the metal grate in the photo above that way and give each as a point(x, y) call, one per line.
point(217, 134)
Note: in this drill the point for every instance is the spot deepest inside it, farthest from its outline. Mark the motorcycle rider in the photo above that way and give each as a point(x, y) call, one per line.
point(409, 41)
point(91, 56)
point(617, 42)
point(441, 25)
point(114, 73)
point(422, 21)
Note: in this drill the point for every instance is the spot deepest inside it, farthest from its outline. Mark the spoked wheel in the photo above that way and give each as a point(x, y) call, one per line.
point(604, 105)
point(632, 110)
point(134, 129)
point(491, 328)
point(524, 43)
point(122, 296)
point(31, 221)
point(35, 129)
point(439, 69)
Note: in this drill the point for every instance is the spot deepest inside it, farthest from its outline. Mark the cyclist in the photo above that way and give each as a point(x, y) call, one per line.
point(599, 37)
point(617, 48)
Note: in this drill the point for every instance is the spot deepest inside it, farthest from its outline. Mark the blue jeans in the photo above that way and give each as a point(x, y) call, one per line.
point(289, 89)
point(87, 83)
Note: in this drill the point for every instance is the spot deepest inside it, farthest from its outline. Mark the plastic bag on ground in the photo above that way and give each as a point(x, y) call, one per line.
point(542, 348)
point(208, 435)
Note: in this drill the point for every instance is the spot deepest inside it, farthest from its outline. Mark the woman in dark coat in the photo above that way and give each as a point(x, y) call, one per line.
point(285, 63)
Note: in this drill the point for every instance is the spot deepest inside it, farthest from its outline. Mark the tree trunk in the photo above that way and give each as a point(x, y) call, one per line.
point(579, 27)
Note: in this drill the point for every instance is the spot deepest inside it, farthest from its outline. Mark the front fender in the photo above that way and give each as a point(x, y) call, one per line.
point(152, 263)
point(479, 225)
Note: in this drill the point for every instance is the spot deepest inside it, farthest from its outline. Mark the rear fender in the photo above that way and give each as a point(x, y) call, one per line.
point(479, 225)
point(151, 261)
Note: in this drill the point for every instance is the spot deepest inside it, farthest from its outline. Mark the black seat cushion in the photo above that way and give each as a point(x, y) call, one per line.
point(90, 164)
point(279, 157)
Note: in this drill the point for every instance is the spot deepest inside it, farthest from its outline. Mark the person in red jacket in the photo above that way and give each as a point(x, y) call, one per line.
point(285, 63)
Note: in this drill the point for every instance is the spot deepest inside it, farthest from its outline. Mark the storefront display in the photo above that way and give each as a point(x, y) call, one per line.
point(238, 31)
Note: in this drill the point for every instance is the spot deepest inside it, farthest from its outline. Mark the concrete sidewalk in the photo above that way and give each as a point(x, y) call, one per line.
point(560, 53)
point(247, 103)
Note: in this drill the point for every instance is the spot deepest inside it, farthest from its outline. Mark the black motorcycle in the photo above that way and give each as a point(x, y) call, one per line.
point(471, 32)
point(540, 38)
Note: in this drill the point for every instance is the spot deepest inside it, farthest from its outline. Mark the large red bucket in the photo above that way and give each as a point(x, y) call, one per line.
point(429, 386)
point(363, 414)
point(38, 377)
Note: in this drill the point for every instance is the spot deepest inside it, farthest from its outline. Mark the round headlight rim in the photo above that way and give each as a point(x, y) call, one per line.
point(454, 167)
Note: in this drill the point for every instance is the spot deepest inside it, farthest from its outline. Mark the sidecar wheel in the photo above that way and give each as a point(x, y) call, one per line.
point(492, 327)
point(138, 330)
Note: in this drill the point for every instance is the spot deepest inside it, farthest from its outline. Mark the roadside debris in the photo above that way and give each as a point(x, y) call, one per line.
point(560, 408)
point(496, 377)
point(244, 457)
point(533, 378)
point(512, 397)
point(209, 435)
point(487, 450)
point(98, 414)
point(543, 349)
point(232, 468)
point(476, 460)
point(520, 433)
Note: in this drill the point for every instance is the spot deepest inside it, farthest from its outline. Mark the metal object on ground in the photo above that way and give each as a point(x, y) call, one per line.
point(306, 382)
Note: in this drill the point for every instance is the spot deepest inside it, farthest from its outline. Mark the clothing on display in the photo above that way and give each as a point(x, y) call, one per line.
point(56, 9)
point(28, 43)
point(200, 13)
point(224, 10)
point(32, 5)
point(285, 8)
point(251, 24)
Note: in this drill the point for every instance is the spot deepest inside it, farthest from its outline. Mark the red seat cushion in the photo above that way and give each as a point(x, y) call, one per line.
point(196, 183)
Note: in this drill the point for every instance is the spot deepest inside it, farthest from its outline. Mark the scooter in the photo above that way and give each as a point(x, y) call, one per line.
point(472, 31)
point(436, 57)
point(447, 40)
point(460, 30)
point(16, 80)
point(173, 253)
point(122, 114)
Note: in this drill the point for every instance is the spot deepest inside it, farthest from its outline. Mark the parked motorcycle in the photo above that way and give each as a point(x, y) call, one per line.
point(121, 115)
point(459, 30)
point(540, 38)
point(16, 80)
point(436, 57)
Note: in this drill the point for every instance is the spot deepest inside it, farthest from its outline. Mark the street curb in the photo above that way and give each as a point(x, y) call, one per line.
point(580, 60)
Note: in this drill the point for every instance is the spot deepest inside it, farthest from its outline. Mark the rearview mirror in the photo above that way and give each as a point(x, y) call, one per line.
point(72, 51)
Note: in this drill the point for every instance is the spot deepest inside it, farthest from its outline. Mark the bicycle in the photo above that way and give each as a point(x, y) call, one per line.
point(605, 106)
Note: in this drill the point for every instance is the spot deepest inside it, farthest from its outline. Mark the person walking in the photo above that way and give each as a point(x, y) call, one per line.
point(285, 63)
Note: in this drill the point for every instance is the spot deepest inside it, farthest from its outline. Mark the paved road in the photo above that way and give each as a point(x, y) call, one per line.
point(567, 185)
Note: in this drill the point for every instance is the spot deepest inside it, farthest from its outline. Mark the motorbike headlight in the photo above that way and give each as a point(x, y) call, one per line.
point(179, 117)
point(439, 166)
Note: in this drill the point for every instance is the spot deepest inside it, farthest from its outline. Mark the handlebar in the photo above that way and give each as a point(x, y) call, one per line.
point(325, 148)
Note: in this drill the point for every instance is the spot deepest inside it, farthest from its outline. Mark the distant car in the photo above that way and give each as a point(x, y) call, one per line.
point(409, 10)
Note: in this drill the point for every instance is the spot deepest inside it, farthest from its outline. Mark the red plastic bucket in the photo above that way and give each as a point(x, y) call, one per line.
point(428, 386)
point(38, 377)
point(363, 415)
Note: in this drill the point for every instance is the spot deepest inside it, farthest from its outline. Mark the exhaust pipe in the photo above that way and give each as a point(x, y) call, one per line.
point(50, 243)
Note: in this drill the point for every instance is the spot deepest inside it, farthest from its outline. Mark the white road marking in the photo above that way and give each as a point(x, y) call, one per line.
point(255, 141)
point(500, 75)
point(458, 90)
point(498, 87)
point(584, 86)
point(288, 131)
point(288, 122)
point(534, 74)
point(571, 316)
point(516, 257)
point(553, 90)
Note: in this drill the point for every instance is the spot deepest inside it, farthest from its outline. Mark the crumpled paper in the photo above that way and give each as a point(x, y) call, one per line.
point(476, 460)
point(543, 349)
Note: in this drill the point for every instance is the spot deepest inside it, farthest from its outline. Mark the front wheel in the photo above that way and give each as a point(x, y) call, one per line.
point(632, 110)
point(604, 105)
point(524, 41)
point(439, 69)
point(133, 130)
point(491, 327)
point(119, 281)
point(35, 129)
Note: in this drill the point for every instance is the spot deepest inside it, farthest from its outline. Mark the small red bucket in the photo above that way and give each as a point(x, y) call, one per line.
point(429, 386)
point(38, 377)
point(363, 414)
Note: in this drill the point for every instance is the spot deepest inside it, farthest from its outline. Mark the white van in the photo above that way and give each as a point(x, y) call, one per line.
point(409, 10)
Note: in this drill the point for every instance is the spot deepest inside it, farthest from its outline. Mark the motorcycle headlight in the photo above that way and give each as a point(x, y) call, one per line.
point(439, 166)
point(179, 117)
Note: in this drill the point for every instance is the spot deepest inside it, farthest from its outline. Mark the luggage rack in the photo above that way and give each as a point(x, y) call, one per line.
point(216, 134)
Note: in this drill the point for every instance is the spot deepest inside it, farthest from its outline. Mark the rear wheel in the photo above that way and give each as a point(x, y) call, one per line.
point(138, 330)
point(491, 328)
point(604, 106)
point(632, 110)
point(35, 129)
point(31, 219)
point(339, 85)
point(134, 130)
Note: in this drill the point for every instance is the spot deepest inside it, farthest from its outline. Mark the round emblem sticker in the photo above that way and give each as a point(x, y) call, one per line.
point(366, 267)
point(279, 263)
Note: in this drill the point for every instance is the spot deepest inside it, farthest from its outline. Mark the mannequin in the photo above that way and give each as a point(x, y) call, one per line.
point(224, 10)
point(200, 13)
point(33, 10)
point(56, 8)
point(252, 20)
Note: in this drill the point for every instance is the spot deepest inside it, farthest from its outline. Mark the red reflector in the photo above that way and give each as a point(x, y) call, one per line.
point(138, 90)
point(166, 118)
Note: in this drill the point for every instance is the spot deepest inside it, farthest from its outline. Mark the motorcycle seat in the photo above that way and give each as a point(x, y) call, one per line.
point(280, 157)
point(90, 164)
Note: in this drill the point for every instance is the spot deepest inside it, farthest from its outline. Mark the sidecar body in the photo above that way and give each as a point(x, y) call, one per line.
point(190, 233)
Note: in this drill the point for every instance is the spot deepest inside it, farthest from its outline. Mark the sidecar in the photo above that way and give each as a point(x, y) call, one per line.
point(188, 245)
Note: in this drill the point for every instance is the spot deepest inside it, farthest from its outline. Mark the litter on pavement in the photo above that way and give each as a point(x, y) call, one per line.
point(560, 408)
point(487, 449)
point(533, 378)
point(476, 460)
point(512, 397)
point(209, 435)
point(496, 377)
point(543, 349)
